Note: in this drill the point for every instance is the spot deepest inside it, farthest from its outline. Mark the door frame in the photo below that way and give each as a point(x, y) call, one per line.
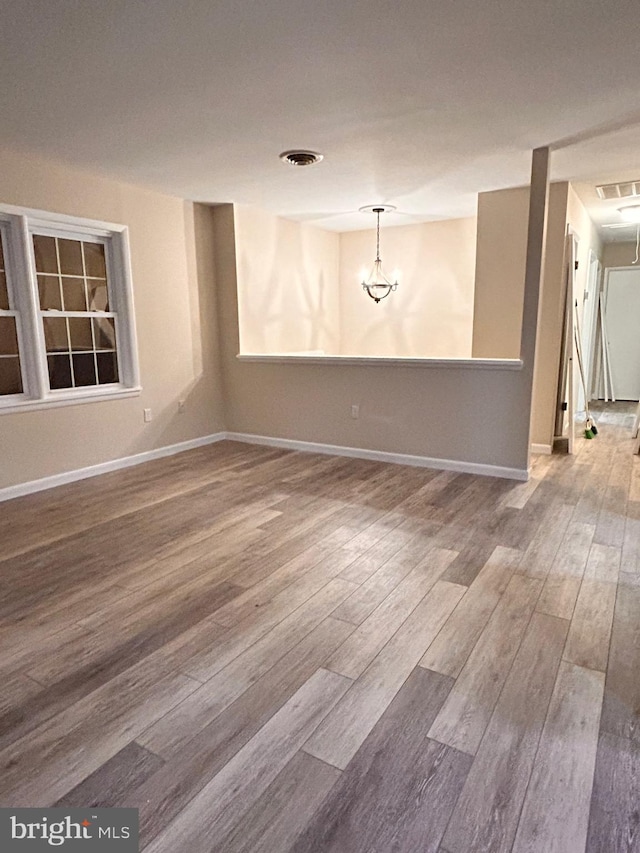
point(605, 288)
point(594, 286)
point(564, 425)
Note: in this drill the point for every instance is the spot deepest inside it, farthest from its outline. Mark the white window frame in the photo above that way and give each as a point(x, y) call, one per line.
point(18, 226)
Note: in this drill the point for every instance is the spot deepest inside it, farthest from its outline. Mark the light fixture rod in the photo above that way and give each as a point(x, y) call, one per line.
point(377, 212)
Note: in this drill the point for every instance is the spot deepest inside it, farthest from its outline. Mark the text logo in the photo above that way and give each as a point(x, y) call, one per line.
point(73, 830)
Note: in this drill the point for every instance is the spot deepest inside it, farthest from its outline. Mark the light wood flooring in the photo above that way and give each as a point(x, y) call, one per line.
point(273, 652)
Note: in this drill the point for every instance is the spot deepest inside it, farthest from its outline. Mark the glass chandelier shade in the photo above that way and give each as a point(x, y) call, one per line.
point(377, 285)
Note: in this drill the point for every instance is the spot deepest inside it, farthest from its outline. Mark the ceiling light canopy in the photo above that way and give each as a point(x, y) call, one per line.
point(377, 285)
point(631, 213)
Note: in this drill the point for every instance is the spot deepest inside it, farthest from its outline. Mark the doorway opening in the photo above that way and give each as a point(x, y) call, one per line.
point(600, 356)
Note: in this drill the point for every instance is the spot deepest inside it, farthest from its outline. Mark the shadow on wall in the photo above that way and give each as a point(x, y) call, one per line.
point(287, 300)
point(194, 407)
point(390, 331)
point(299, 289)
point(288, 314)
point(431, 313)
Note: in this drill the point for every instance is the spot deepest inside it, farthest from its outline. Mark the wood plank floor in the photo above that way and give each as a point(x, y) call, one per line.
point(274, 652)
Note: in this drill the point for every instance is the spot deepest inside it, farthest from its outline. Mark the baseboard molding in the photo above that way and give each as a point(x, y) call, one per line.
point(21, 489)
point(384, 456)
point(541, 448)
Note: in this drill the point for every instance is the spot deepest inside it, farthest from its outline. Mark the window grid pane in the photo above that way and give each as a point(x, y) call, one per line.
point(10, 376)
point(79, 268)
point(10, 372)
point(84, 369)
point(107, 365)
point(59, 371)
point(4, 291)
point(4, 287)
point(72, 277)
point(44, 249)
point(56, 334)
point(70, 257)
point(74, 294)
point(95, 263)
point(49, 292)
point(80, 334)
point(8, 336)
point(10, 368)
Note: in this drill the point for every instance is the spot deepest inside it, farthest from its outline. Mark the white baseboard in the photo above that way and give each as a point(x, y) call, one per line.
point(384, 456)
point(541, 448)
point(21, 489)
point(10, 492)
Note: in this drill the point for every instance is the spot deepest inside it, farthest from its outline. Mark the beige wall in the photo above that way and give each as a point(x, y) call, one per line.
point(588, 240)
point(430, 315)
point(287, 284)
point(550, 320)
point(618, 254)
point(184, 265)
point(499, 274)
point(299, 289)
point(175, 320)
point(502, 230)
point(468, 414)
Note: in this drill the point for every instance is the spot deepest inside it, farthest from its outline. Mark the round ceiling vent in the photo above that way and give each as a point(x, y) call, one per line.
point(300, 157)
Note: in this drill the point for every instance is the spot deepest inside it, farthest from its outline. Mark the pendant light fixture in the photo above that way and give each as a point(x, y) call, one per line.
point(377, 285)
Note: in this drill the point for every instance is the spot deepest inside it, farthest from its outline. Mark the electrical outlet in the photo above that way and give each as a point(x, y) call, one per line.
point(181, 407)
point(355, 410)
point(147, 416)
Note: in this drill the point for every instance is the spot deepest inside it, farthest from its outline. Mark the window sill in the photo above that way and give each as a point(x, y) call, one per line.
point(384, 361)
point(54, 401)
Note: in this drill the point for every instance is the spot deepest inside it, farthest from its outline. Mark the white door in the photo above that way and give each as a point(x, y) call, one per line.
point(589, 313)
point(622, 318)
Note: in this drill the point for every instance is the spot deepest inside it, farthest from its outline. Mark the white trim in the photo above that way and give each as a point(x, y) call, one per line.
point(545, 449)
point(383, 361)
point(124, 299)
point(384, 456)
point(45, 218)
point(55, 399)
point(590, 314)
point(37, 376)
point(21, 489)
point(18, 226)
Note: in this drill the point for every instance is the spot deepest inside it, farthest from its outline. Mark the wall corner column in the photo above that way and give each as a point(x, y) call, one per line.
point(534, 269)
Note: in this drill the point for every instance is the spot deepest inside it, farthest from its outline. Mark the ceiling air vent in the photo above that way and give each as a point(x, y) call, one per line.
point(300, 157)
point(627, 189)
